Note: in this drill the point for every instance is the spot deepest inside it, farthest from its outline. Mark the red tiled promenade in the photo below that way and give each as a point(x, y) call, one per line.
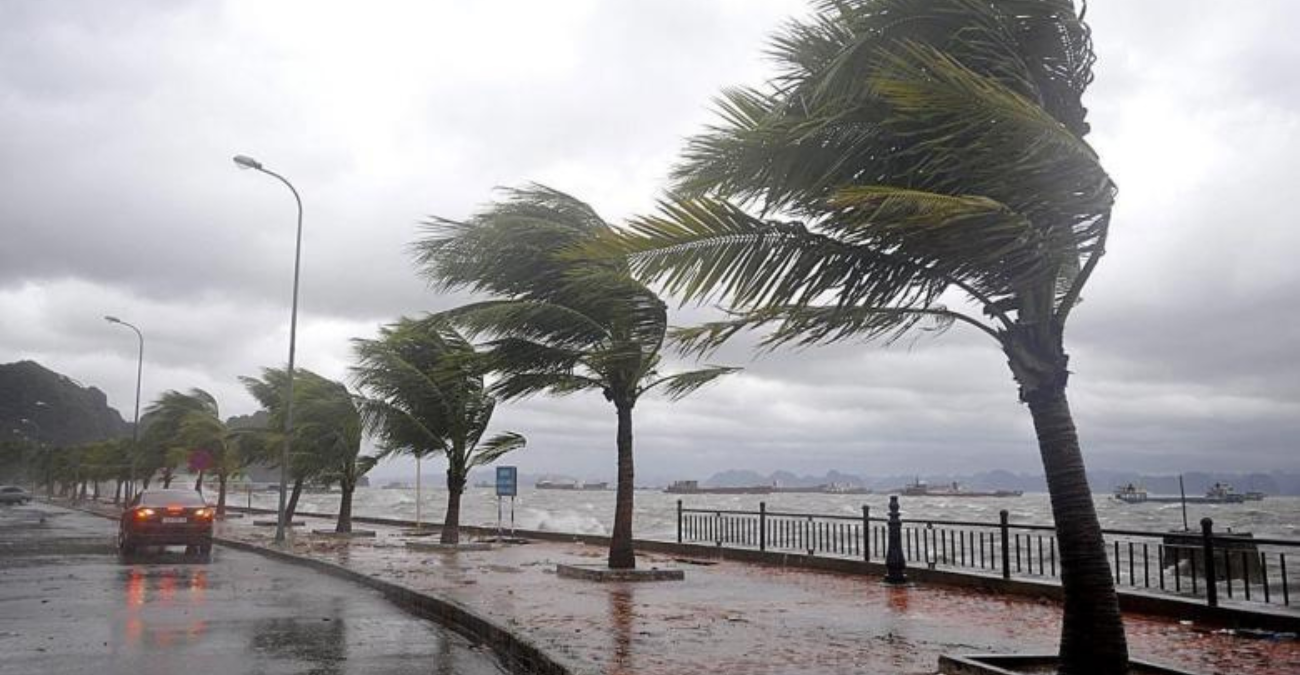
point(738, 618)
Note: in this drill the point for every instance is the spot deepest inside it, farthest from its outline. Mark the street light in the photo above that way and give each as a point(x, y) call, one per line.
point(245, 162)
point(135, 426)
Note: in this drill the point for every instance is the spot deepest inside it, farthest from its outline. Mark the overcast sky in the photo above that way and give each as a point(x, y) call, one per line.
point(118, 196)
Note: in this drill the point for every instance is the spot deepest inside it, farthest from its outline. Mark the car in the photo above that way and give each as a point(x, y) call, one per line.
point(166, 518)
point(12, 494)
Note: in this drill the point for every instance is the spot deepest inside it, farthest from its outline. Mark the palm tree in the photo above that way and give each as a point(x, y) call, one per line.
point(559, 323)
point(269, 393)
point(911, 153)
point(191, 423)
point(328, 419)
point(327, 434)
point(427, 395)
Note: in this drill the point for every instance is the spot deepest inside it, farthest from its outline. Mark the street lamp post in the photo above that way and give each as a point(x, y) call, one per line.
point(135, 426)
point(245, 162)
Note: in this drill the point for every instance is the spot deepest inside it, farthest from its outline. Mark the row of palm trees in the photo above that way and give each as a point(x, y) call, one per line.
point(915, 165)
point(420, 392)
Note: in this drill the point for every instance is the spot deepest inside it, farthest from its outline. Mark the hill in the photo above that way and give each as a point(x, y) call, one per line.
point(38, 404)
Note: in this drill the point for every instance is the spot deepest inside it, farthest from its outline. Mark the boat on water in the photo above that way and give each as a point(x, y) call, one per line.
point(1131, 494)
point(595, 486)
point(1254, 496)
point(692, 487)
point(919, 488)
point(1219, 493)
point(557, 485)
point(394, 485)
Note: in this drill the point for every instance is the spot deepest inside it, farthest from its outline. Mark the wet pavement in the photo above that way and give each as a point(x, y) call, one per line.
point(729, 617)
point(68, 605)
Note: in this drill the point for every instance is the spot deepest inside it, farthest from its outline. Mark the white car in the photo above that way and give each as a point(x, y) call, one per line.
point(12, 494)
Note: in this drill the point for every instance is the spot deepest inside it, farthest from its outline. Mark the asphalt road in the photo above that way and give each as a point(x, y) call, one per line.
point(68, 605)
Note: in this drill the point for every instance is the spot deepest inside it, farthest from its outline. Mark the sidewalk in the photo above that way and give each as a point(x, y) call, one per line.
point(736, 618)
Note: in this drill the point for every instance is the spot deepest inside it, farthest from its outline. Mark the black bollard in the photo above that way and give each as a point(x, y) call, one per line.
point(1211, 574)
point(895, 564)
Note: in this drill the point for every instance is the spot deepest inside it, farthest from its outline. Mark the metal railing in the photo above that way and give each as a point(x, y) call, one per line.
point(1207, 565)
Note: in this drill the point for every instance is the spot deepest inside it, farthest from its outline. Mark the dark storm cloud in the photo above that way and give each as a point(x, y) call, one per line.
point(119, 197)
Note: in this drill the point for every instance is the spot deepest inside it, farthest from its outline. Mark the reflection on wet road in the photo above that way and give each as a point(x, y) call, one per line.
point(68, 605)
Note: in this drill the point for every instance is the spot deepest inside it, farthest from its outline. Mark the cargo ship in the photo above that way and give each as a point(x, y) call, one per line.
point(557, 485)
point(692, 487)
point(1219, 493)
point(919, 488)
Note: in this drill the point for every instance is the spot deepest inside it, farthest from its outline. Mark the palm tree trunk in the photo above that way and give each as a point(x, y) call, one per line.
point(1092, 633)
point(419, 523)
point(117, 493)
point(621, 556)
point(198, 482)
point(221, 494)
point(293, 500)
point(344, 523)
point(451, 524)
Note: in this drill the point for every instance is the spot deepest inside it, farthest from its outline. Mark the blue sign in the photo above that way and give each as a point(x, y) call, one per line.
point(507, 481)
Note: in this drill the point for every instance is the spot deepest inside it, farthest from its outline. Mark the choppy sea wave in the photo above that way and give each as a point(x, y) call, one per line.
point(592, 512)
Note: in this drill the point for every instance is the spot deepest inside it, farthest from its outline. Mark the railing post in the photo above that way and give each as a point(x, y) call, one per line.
point(1211, 576)
point(1006, 543)
point(679, 521)
point(762, 526)
point(895, 564)
point(866, 532)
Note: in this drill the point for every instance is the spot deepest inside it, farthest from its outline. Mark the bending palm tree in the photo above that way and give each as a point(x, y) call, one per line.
point(328, 420)
point(191, 421)
point(428, 396)
point(561, 323)
point(929, 150)
point(327, 433)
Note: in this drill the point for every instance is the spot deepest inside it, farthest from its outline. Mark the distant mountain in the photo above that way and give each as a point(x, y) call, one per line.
point(1102, 481)
point(258, 420)
point(41, 405)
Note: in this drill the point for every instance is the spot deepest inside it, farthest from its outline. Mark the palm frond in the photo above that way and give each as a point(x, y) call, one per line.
point(494, 448)
point(803, 325)
point(552, 323)
point(516, 385)
point(679, 385)
point(704, 248)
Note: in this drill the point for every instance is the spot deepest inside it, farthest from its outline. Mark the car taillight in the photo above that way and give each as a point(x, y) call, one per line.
point(144, 514)
point(203, 513)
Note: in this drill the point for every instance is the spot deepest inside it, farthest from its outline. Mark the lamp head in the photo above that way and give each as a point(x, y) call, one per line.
point(112, 319)
point(246, 162)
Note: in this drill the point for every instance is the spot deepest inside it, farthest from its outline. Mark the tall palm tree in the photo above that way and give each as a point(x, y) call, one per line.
point(327, 433)
point(558, 322)
point(912, 154)
point(427, 395)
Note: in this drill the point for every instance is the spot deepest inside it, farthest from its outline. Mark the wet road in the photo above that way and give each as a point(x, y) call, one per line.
point(68, 605)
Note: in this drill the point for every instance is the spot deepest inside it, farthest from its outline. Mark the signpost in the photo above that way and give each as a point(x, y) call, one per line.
point(507, 486)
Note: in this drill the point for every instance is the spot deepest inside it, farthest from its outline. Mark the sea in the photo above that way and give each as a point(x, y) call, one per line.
point(655, 515)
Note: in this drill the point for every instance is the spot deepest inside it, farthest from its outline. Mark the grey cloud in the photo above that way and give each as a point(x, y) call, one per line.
point(119, 197)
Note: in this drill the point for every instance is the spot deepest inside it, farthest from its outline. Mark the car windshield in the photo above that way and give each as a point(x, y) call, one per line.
point(171, 498)
point(10, 488)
